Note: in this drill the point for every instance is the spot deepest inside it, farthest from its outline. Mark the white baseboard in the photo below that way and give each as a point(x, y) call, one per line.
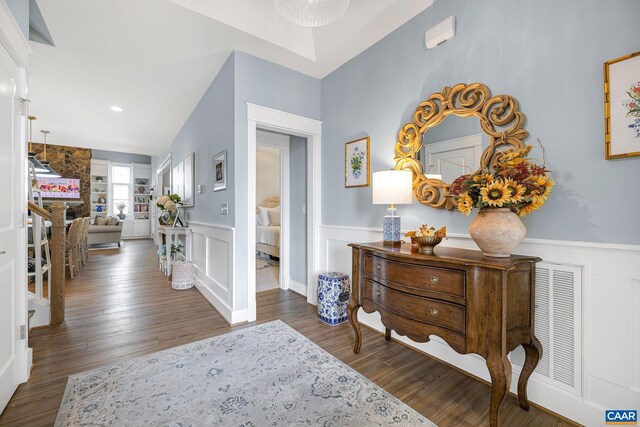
point(239, 316)
point(298, 287)
point(29, 364)
point(213, 260)
point(230, 316)
point(217, 302)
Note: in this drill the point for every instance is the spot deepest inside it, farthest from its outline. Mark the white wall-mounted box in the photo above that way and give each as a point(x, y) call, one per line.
point(441, 32)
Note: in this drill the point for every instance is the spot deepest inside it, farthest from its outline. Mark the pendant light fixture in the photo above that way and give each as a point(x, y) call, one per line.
point(47, 164)
point(312, 13)
point(37, 166)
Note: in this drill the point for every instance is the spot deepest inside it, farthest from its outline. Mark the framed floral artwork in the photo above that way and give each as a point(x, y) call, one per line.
point(356, 165)
point(622, 106)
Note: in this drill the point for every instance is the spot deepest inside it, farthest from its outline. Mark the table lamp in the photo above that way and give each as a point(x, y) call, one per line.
point(392, 187)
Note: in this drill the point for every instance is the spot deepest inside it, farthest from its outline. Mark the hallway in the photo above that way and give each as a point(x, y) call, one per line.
point(120, 307)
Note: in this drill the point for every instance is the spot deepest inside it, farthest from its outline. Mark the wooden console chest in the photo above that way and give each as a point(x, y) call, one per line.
point(476, 304)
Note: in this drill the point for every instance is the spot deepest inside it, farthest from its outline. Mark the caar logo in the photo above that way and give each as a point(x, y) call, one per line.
point(621, 417)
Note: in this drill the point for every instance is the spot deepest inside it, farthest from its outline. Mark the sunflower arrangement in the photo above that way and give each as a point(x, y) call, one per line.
point(514, 183)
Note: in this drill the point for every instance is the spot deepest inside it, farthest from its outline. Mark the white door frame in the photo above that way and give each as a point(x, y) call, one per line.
point(285, 200)
point(15, 59)
point(290, 124)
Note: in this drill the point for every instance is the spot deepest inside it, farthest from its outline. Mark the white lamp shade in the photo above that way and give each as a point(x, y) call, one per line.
point(392, 187)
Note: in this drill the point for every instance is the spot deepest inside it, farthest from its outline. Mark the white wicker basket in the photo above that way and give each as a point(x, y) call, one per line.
point(181, 275)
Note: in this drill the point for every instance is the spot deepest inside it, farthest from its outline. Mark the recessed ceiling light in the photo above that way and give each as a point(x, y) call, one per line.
point(116, 108)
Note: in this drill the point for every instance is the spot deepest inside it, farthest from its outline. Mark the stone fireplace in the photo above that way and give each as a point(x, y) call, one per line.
point(71, 162)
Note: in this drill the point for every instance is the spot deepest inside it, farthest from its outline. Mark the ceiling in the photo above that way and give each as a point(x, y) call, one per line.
point(156, 58)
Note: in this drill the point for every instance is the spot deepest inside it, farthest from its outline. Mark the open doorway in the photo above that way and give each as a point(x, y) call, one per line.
point(281, 224)
point(268, 214)
point(310, 130)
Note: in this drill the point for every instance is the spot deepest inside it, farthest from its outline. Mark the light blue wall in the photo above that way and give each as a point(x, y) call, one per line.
point(298, 220)
point(208, 131)
point(115, 156)
point(220, 122)
point(20, 11)
point(547, 54)
point(269, 85)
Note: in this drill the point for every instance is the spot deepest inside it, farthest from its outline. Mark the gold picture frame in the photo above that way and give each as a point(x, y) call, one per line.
point(622, 107)
point(357, 162)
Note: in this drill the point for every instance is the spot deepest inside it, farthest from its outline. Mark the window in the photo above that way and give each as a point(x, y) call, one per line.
point(121, 188)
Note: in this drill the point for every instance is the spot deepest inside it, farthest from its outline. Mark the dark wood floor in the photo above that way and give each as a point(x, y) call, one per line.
point(120, 307)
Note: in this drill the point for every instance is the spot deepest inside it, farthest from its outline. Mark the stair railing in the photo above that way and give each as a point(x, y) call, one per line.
point(57, 217)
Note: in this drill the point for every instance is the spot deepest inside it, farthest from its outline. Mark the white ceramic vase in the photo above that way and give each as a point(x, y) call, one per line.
point(497, 231)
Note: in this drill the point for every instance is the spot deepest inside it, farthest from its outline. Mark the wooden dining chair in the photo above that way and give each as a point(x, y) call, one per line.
point(83, 237)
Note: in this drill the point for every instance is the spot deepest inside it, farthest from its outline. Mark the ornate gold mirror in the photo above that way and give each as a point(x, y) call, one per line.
point(500, 119)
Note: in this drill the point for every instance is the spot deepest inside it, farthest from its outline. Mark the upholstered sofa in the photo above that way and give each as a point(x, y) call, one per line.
point(104, 231)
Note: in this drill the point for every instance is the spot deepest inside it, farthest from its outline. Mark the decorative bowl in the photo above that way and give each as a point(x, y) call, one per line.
point(426, 244)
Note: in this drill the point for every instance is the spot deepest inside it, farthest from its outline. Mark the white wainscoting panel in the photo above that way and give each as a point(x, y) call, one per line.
point(594, 300)
point(213, 259)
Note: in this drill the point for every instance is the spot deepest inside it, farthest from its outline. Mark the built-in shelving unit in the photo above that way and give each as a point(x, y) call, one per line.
point(137, 223)
point(140, 185)
point(141, 209)
point(99, 188)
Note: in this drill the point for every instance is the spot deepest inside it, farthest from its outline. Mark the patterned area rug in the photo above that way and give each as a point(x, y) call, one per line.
point(264, 375)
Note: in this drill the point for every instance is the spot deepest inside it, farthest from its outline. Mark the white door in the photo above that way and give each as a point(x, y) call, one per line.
point(454, 157)
point(13, 305)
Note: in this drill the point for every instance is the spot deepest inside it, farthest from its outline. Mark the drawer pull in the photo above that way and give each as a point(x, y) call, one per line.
point(377, 293)
point(434, 311)
point(378, 267)
point(434, 279)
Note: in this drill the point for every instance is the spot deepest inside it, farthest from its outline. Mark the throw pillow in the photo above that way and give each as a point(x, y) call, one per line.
point(274, 216)
point(264, 216)
point(102, 221)
point(113, 220)
point(258, 219)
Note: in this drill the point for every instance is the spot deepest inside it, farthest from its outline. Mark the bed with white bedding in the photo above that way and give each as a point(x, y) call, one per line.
point(268, 239)
point(268, 227)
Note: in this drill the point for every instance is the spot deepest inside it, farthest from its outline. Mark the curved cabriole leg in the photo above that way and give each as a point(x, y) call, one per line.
point(533, 353)
point(500, 370)
point(387, 334)
point(352, 313)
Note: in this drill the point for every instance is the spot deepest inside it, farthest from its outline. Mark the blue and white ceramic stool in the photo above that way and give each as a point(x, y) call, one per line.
point(333, 297)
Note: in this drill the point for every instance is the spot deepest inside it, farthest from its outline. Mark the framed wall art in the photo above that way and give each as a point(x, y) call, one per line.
point(189, 180)
point(622, 106)
point(356, 165)
point(220, 171)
